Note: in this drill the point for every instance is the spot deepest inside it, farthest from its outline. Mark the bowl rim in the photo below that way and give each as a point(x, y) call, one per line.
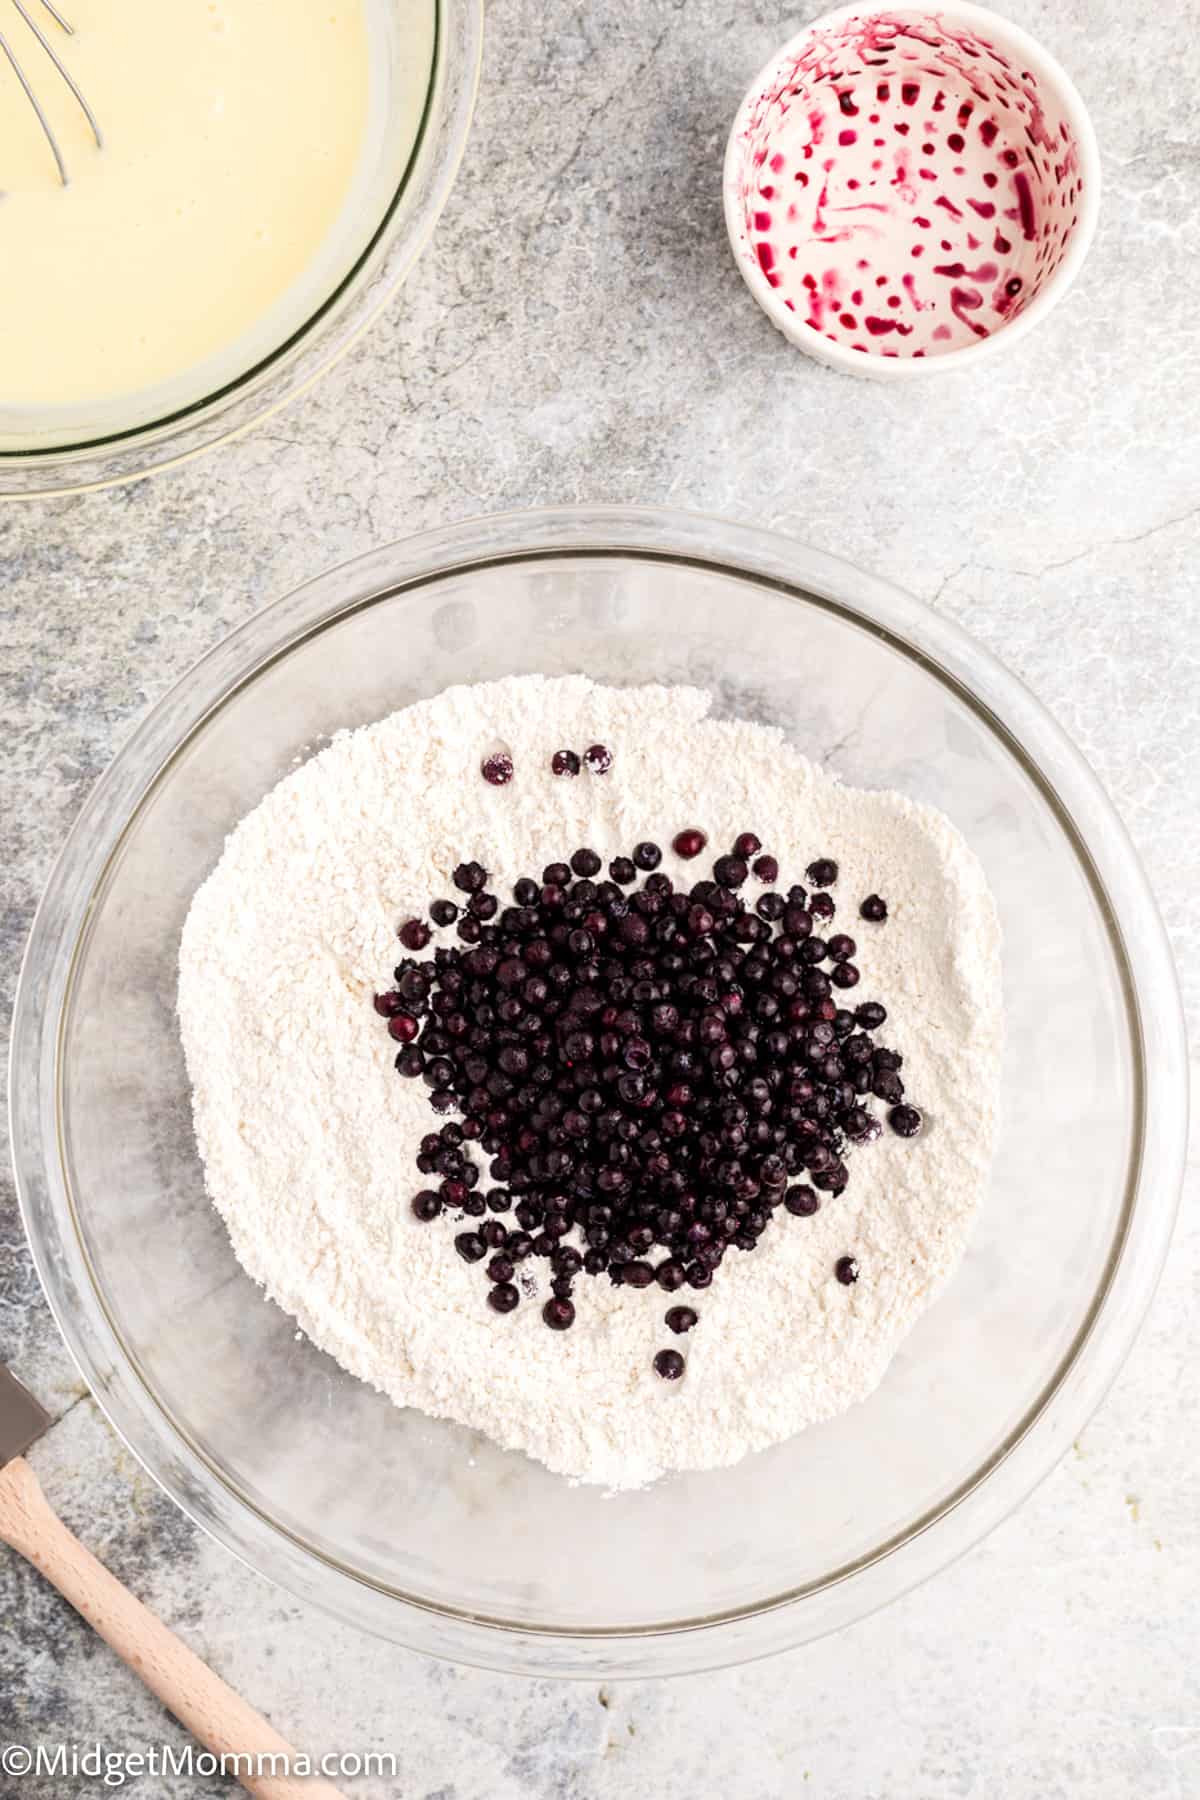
point(1031, 1449)
point(879, 368)
point(355, 301)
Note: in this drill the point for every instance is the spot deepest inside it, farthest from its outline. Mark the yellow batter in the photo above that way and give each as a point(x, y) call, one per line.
point(232, 130)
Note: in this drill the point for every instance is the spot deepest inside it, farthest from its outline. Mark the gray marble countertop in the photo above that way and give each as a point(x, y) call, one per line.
point(577, 331)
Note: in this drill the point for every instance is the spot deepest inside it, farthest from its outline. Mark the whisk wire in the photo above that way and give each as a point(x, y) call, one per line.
point(63, 71)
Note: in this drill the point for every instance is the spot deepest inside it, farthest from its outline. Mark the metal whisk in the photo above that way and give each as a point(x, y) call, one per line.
point(52, 53)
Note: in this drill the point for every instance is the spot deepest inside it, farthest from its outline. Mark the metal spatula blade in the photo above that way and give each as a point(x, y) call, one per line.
point(22, 1420)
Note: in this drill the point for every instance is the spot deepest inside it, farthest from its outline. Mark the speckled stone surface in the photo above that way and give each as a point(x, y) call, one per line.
point(577, 332)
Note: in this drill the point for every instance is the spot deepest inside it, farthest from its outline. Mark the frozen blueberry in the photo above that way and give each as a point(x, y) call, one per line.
point(905, 1121)
point(823, 872)
point(469, 877)
point(497, 769)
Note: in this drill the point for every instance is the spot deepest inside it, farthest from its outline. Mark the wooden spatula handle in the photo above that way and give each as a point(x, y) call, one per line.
point(199, 1699)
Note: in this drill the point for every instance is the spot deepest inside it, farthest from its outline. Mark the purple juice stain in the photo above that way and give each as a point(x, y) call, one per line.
point(766, 258)
point(979, 295)
point(957, 271)
point(964, 301)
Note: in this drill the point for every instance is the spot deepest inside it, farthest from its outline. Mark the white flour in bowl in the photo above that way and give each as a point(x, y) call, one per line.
point(308, 1135)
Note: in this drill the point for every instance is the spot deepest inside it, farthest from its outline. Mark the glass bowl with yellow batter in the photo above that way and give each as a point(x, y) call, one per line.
point(265, 181)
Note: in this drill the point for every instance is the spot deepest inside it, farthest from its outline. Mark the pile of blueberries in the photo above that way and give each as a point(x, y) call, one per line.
point(651, 1071)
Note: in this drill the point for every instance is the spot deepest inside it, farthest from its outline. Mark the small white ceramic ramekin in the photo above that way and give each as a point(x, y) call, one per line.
point(909, 190)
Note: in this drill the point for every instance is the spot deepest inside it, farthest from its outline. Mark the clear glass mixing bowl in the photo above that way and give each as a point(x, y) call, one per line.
point(399, 189)
point(421, 1530)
